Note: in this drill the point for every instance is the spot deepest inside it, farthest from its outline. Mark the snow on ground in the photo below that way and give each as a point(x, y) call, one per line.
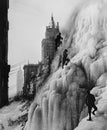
point(11, 114)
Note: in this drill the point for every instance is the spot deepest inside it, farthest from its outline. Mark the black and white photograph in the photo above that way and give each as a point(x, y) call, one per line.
point(53, 64)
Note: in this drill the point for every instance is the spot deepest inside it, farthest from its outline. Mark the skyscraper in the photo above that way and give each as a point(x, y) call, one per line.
point(48, 43)
point(4, 67)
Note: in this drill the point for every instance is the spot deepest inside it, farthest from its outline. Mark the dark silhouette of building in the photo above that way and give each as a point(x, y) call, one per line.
point(39, 72)
point(4, 67)
point(30, 73)
point(48, 43)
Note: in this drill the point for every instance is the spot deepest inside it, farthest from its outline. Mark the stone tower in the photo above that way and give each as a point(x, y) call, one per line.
point(48, 43)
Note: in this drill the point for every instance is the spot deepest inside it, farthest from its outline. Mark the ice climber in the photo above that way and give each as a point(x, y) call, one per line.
point(90, 102)
point(65, 58)
point(58, 41)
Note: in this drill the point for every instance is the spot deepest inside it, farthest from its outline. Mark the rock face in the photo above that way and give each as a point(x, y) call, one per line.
point(61, 103)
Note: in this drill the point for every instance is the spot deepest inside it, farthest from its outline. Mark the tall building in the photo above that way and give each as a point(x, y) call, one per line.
point(20, 80)
point(48, 43)
point(30, 72)
point(4, 67)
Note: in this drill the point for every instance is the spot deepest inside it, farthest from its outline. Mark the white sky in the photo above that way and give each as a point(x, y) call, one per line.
point(27, 20)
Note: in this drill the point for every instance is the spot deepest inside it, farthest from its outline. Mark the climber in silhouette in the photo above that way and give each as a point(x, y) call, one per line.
point(58, 41)
point(90, 102)
point(65, 58)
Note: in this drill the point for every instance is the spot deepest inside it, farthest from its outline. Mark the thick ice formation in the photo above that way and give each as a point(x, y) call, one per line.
point(61, 102)
point(100, 120)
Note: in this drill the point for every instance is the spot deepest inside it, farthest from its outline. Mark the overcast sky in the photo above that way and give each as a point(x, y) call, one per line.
point(27, 20)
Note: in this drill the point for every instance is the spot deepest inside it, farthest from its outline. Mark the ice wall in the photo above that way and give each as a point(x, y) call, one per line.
point(99, 122)
point(61, 102)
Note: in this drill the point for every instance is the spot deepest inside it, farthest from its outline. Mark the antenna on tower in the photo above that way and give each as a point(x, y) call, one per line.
point(52, 21)
point(51, 16)
point(28, 62)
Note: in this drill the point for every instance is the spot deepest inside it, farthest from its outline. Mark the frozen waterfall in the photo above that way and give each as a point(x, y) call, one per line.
point(60, 106)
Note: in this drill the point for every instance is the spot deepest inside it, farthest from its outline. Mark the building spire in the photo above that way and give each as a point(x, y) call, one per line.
point(52, 21)
point(28, 62)
point(57, 25)
point(52, 17)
